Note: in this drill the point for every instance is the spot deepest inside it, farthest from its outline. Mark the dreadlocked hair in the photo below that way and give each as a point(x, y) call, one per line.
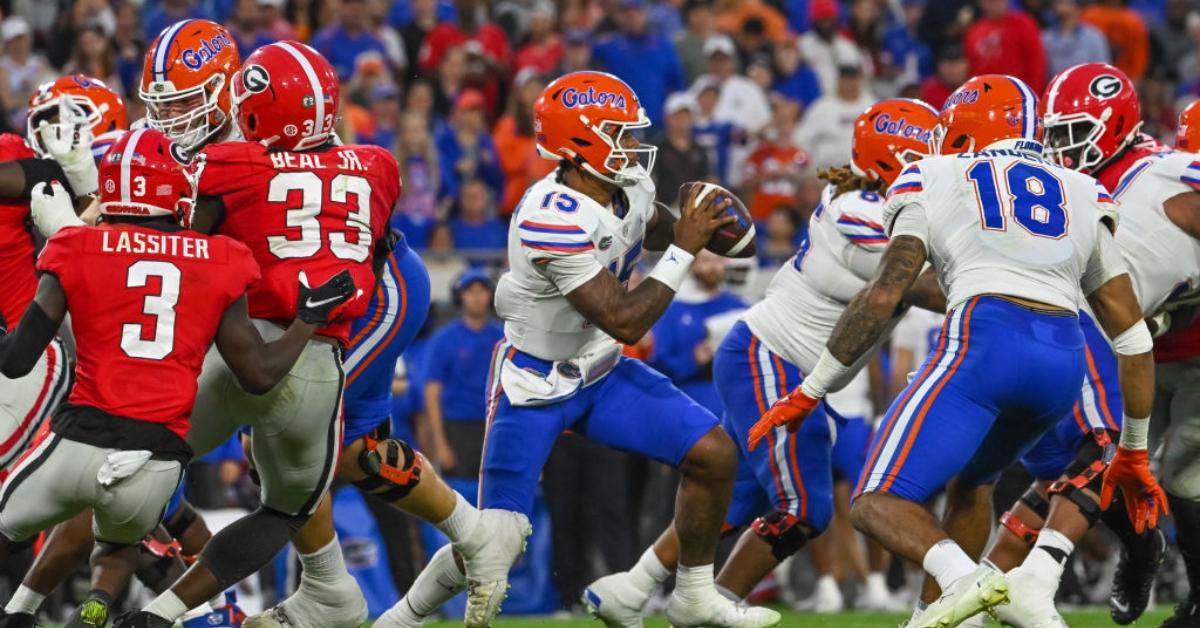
point(845, 180)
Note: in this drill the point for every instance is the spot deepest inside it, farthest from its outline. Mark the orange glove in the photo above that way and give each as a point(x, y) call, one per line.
point(1144, 498)
point(789, 411)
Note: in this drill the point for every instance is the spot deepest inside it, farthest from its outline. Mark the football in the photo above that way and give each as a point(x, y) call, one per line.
point(737, 239)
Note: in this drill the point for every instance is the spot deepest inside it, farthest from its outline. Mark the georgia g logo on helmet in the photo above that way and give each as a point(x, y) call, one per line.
point(255, 79)
point(1105, 86)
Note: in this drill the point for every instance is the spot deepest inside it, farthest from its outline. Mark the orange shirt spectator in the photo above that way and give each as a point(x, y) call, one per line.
point(1006, 41)
point(773, 173)
point(519, 160)
point(1126, 33)
point(731, 16)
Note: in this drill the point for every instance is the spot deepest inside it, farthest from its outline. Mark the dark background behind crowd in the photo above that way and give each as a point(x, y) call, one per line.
point(755, 94)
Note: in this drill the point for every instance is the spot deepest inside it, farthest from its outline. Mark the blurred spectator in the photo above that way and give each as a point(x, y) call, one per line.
point(577, 51)
point(476, 227)
point(732, 17)
point(906, 59)
point(645, 60)
point(466, 149)
point(442, 262)
point(824, 47)
point(451, 78)
point(1171, 41)
point(244, 25)
point(951, 73)
point(94, 56)
point(795, 78)
point(714, 135)
point(385, 117)
point(543, 52)
point(689, 43)
point(1126, 33)
point(422, 19)
point(752, 43)
point(513, 136)
point(666, 18)
point(168, 12)
point(827, 126)
point(21, 69)
point(130, 46)
point(347, 38)
point(944, 22)
point(775, 169)
point(1072, 41)
point(866, 30)
point(472, 26)
point(741, 101)
point(1004, 40)
point(680, 159)
point(455, 374)
point(83, 14)
point(686, 336)
point(393, 45)
point(780, 236)
point(271, 20)
point(420, 170)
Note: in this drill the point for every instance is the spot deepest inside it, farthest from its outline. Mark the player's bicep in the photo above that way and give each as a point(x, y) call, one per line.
point(1104, 263)
point(1184, 211)
point(207, 214)
point(1115, 305)
point(237, 339)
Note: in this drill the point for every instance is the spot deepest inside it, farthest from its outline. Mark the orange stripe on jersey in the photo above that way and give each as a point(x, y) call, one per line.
point(375, 319)
point(403, 287)
point(797, 479)
point(757, 378)
point(937, 389)
point(1101, 393)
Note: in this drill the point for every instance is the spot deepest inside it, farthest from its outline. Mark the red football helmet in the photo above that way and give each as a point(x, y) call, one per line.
point(1091, 112)
point(286, 95)
point(1187, 134)
point(889, 135)
point(584, 118)
point(185, 81)
point(143, 175)
point(987, 110)
point(105, 109)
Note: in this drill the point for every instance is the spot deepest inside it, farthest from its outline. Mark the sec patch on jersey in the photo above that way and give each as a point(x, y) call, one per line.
point(737, 239)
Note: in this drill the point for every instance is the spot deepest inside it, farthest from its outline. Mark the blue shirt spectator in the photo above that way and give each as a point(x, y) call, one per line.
point(401, 13)
point(167, 13)
point(465, 147)
point(647, 61)
point(716, 138)
point(902, 48)
point(795, 79)
point(342, 42)
point(476, 227)
point(460, 354)
point(1072, 41)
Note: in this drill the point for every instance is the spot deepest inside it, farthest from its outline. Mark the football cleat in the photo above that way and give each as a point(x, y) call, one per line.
point(141, 619)
point(1134, 579)
point(228, 616)
point(400, 615)
point(92, 612)
point(719, 612)
point(1186, 615)
point(316, 605)
point(1031, 602)
point(17, 620)
point(488, 552)
point(977, 592)
point(615, 601)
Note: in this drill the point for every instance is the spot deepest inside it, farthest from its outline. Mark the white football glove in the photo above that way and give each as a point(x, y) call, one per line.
point(51, 208)
point(69, 142)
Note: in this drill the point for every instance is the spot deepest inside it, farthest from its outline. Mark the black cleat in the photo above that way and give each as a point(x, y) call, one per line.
point(17, 620)
point(1187, 614)
point(91, 614)
point(141, 619)
point(1134, 579)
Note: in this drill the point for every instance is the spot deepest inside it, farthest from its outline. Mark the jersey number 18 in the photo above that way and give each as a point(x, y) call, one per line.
point(1032, 195)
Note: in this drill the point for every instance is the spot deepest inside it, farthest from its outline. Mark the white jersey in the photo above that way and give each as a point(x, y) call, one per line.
point(1162, 259)
point(854, 401)
point(558, 240)
point(1005, 222)
point(918, 332)
point(807, 296)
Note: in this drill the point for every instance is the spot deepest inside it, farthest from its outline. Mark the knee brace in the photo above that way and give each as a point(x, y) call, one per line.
point(783, 531)
point(391, 475)
point(1087, 472)
point(1033, 501)
point(159, 561)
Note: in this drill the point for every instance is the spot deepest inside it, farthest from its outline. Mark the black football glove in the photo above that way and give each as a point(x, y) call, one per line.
point(326, 302)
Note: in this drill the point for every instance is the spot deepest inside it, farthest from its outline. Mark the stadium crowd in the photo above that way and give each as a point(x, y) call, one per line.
point(757, 95)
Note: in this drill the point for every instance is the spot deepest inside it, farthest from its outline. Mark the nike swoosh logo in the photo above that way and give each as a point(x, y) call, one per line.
point(311, 303)
point(1123, 607)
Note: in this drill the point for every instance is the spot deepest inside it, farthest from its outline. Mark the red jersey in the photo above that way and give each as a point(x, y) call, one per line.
point(16, 243)
point(145, 305)
point(777, 169)
point(317, 211)
point(1010, 44)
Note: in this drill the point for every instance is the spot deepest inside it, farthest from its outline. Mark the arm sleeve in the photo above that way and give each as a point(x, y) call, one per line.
point(1104, 263)
point(558, 248)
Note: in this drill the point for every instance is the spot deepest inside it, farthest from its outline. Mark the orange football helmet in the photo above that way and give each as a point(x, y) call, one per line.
point(585, 118)
point(1187, 134)
point(987, 110)
point(889, 135)
point(186, 79)
point(105, 109)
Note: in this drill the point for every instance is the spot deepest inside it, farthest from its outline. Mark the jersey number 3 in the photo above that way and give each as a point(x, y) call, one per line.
point(1032, 195)
point(304, 217)
point(161, 306)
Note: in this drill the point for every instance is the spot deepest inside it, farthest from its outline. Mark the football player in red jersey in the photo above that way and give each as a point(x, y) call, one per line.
point(147, 299)
point(298, 201)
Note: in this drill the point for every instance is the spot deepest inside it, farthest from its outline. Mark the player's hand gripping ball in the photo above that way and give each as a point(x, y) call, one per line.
point(737, 239)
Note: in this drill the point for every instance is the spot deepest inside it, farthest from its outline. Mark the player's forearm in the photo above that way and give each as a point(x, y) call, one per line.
point(20, 350)
point(868, 315)
point(1137, 383)
point(637, 311)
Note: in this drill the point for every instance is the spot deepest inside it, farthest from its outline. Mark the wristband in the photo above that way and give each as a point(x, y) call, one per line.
point(1135, 433)
point(1134, 341)
point(825, 374)
point(672, 268)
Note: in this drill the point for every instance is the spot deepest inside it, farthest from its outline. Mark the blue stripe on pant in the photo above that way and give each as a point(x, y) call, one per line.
point(394, 317)
point(1002, 376)
point(792, 472)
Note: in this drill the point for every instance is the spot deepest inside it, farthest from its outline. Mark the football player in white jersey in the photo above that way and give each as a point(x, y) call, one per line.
point(1013, 239)
point(785, 492)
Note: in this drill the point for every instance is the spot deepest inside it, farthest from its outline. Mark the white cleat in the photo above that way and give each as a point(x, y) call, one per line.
point(827, 596)
point(615, 601)
point(718, 612)
point(488, 552)
point(876, 597)
point(401, 615)
point(316, 605)
point(977, 592)
point(1031, 602)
